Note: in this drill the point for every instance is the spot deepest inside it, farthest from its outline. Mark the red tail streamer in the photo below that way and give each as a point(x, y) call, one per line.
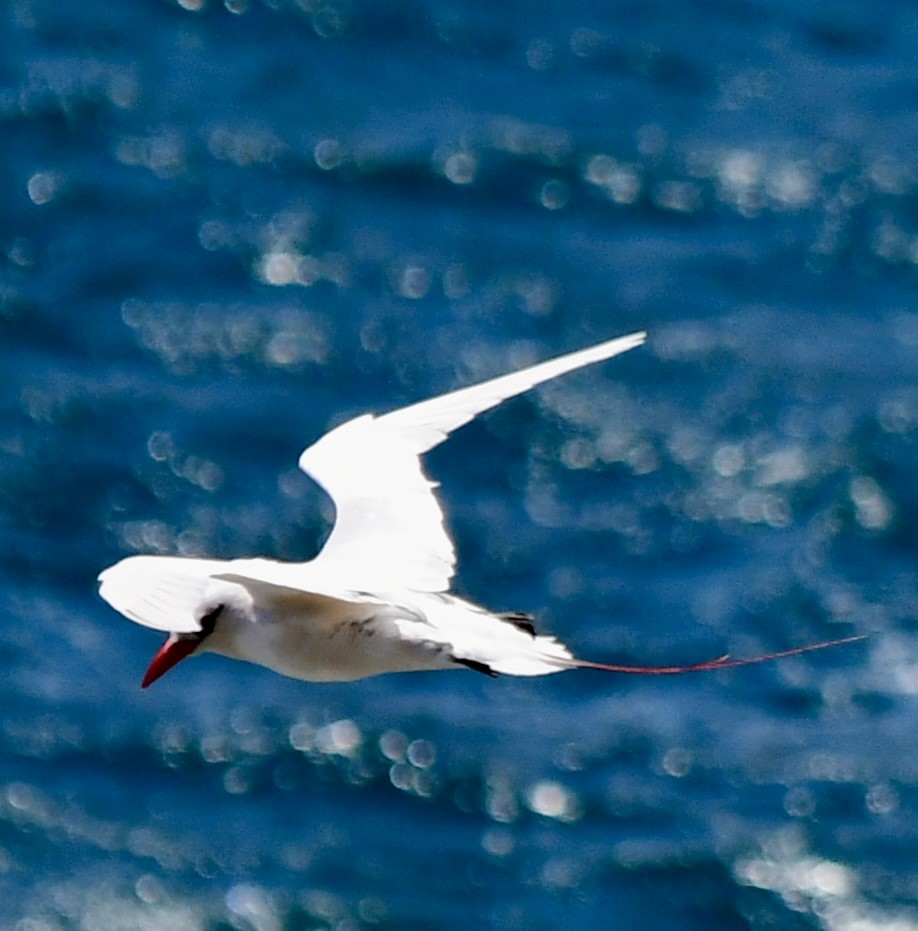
point(721, 662)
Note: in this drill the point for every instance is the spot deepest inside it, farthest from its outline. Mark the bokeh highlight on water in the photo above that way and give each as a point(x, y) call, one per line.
point(225, 228)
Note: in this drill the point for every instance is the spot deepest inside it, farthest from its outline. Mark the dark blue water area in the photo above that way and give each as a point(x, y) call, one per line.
point(226, 228)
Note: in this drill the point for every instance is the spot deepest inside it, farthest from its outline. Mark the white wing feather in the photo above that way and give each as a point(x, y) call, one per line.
point(162, 592)
point(389, 531)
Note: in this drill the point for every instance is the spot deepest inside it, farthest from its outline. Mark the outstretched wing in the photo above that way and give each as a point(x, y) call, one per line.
point(162, 592)
point(389, 529)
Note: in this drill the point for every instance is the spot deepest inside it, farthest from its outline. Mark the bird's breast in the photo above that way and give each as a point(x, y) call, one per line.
point(315, 647)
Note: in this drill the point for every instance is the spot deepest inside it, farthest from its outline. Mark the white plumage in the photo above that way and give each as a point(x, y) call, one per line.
point(375, 599)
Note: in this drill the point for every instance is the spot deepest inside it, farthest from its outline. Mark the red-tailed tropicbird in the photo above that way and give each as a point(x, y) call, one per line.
point(376, 599)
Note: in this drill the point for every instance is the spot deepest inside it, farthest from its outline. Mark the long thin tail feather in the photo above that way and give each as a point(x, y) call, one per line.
point(720, 662)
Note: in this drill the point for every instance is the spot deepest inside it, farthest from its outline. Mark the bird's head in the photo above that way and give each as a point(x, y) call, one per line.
point(180, 645)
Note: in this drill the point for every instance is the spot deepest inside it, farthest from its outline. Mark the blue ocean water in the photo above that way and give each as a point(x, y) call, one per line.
point(225, 228)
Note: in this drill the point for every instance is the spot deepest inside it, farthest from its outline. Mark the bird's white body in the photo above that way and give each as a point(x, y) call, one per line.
point(325, 639)
point(375, 600)
point(273, 614)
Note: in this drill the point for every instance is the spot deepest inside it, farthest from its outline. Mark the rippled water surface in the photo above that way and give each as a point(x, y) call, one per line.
point(225, 228)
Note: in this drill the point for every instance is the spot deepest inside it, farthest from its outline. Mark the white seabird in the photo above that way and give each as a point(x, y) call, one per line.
point(376, 598)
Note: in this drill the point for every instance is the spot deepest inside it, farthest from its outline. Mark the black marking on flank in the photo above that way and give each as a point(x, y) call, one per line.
point(520, 620)
point(364, 627)
point(475, 665)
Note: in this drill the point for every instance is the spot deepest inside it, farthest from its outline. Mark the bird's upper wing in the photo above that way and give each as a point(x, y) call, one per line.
point(389, 531)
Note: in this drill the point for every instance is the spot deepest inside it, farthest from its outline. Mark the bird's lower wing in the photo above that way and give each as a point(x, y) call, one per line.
point(162, 592)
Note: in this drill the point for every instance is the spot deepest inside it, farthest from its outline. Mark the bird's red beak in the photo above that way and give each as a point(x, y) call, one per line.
point(172, 652)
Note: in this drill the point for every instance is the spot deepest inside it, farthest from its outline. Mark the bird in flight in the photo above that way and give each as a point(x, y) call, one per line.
point(376, 599)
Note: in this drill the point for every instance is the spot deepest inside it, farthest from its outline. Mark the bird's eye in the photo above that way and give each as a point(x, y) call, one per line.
point(209, 620)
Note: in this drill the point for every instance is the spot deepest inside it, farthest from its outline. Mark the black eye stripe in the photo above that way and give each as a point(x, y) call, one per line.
point(209, 619)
